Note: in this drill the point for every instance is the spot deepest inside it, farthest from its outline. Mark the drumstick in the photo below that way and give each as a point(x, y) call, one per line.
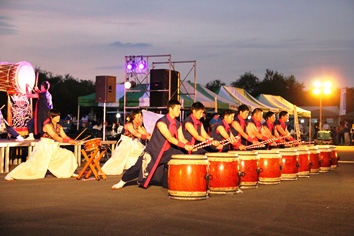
point(2, 107)
point(80, 134)
point(85, 138)
point(202, 143)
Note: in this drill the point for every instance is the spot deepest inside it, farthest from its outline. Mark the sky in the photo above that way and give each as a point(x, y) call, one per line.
point(310, 39)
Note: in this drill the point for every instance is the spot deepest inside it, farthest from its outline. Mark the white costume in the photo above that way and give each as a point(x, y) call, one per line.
point(124, 156)
point(47, 155)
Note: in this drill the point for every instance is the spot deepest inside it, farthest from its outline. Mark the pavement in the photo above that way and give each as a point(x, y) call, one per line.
point(322, 204)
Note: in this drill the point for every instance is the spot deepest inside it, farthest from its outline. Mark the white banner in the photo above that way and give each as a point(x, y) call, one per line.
point(343, 102)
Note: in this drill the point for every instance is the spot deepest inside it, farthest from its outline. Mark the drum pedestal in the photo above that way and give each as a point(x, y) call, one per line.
point(187, 177)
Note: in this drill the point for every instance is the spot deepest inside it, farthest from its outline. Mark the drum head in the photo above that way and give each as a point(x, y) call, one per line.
point(24, 75)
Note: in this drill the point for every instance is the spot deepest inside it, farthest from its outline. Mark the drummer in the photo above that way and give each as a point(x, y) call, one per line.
point(281, 127)
point(239, 125)
point(254, 126)
point(134, 128)
point(43, 106)
point(47, 155)
point(151, 167)
point(193, 129)
point(222, 131)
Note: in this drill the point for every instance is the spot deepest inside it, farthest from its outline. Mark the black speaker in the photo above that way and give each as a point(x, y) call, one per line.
point(105, 88)
point(159, 81)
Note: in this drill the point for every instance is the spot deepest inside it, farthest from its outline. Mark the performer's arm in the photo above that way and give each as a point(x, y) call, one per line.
point(190, 128)
point(136, 134)
point(239, 129)
point(29, 94)
point(166, 133)
point(253, 132)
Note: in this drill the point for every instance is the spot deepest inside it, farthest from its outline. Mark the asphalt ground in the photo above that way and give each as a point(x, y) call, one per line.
point(322, 204)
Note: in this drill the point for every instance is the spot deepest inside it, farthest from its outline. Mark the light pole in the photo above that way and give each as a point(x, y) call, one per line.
point(322, 88)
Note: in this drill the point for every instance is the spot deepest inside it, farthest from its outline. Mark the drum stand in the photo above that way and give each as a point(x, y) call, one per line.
point(93, 163)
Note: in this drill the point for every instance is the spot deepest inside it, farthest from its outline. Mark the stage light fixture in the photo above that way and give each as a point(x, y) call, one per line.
point(142, 64)
point(129, 84)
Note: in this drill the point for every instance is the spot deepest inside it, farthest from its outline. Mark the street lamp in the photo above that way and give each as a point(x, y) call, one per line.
point(320, 89)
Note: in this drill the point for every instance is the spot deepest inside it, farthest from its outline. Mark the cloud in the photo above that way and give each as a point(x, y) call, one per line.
point(118, 44)
point(6, 28)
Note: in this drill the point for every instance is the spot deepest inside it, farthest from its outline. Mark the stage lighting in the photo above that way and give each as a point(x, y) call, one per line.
point(129, 84)
point(142, 64)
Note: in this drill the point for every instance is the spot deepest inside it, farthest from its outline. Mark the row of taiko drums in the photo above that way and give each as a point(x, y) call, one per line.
point(194, 177)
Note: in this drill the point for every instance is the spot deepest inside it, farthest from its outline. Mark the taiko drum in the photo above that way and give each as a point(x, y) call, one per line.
point(334, 157)
point(314, 160)
point(269, 166)
point(223, 172)
point(289, 158)
point(248, 167)
point(325, 157)
point(187, 177)
point(92, 144)
point(304, 162)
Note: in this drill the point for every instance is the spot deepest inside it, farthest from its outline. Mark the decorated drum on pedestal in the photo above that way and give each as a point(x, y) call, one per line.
point(334, 157)
point(92, 144)
point(325, 157)
point(187, 177)
point(269, 166)
point(223, 172)
point(304, 162)
point(314, 159)
point(289, 158)
point(248, 167)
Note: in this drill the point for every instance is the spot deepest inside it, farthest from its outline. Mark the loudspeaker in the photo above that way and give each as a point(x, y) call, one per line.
point(159, 81)
point(105, 88)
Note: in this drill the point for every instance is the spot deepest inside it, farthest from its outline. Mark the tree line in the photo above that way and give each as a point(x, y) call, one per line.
point(66, 90)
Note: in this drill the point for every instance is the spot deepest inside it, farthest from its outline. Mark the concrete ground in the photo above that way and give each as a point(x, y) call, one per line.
point(322, 204)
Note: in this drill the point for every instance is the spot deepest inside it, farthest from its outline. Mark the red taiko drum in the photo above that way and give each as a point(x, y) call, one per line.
point(304, 162)
point(269, 166)
point(223, 172)
point(187, 177)
point(289, 158)
point(248, 167)
point(314, 159)
point(92, 144)
point(325, 157)
point(334, 157)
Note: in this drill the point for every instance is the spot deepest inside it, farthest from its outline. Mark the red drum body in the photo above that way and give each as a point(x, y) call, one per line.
point(187, 177)
point(269, 166)
point(14, 77)
point(314, 160)
point(92, 144)
point(223, 172)
point(304, 162)
point(248, 167)
point(289, 158)
point(325, 157)
point(334, 157)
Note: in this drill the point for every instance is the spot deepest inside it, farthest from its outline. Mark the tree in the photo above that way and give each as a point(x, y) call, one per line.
point(214, 85)
point(248, 82)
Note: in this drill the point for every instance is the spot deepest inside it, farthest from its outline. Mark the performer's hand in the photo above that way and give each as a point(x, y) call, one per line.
point(71, 141)
point(215, 143)
point(219, 147)
point(242, 147)
point(188, 147)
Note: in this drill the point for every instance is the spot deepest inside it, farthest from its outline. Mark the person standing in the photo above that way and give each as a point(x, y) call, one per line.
point(166, 139)
point(43, 106)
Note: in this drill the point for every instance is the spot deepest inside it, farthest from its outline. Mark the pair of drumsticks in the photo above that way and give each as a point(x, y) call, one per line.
point(81, 134)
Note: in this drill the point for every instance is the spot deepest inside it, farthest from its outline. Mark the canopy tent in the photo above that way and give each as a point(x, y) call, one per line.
point(283, 104)
point(207, 97)
point(240, 96)
point(87, 100)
